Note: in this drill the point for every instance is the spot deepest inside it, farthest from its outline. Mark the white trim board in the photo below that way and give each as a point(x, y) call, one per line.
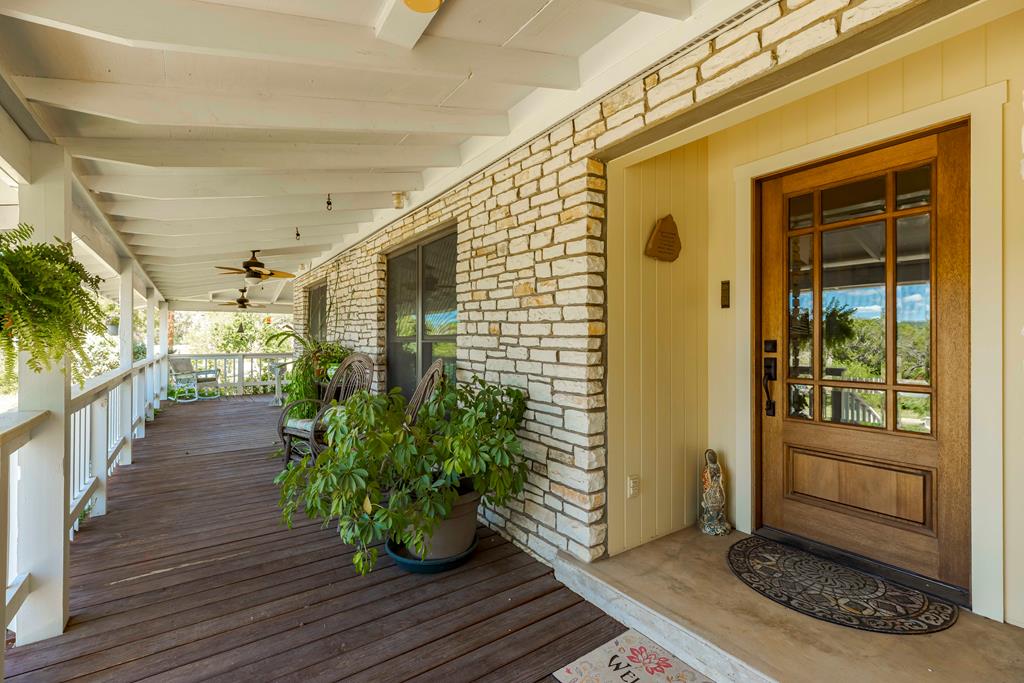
point(984, 107)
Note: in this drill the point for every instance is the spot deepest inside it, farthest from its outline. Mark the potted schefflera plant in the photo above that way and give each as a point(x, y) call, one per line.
point(414, 485)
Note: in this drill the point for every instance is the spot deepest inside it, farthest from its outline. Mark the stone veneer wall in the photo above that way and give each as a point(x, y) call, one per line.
point(531, 265)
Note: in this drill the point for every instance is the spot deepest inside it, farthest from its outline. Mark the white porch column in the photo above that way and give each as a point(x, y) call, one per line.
point(164, 337)
point(43, 495)
point(124, 333)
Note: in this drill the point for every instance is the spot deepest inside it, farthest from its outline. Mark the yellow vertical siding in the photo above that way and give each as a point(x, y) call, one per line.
point(657, 338)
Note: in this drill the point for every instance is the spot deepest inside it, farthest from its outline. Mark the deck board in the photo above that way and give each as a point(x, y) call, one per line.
point(190, 576)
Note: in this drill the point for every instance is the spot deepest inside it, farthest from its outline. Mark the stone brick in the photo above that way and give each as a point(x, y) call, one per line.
point(685, 61)
point(734, 54)
point(806, 40)
point(765, 16)
point(622, 98)
point(805, 16)
point(673, 87)
point(869, 10)
point(747, 70)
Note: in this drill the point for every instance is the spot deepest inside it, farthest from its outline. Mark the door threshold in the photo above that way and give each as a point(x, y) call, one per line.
point(955, 594)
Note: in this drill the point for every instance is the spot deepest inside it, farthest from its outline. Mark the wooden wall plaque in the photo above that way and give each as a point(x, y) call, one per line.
point(664, 243)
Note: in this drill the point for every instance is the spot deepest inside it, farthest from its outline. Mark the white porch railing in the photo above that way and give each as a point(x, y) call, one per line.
point(241, 373)
point(104, 417)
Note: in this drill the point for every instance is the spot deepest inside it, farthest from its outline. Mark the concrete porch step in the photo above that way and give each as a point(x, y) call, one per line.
point(679, 591)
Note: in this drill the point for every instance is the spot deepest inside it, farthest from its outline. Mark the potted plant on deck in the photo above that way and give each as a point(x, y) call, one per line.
point(415, 486)
point(314, 362)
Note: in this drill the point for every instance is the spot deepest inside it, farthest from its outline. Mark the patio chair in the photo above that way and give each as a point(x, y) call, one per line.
point(431, 378)
point(188, 382)
point(354, 374)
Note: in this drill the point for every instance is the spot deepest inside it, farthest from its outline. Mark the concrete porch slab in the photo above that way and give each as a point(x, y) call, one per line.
point(679, 591)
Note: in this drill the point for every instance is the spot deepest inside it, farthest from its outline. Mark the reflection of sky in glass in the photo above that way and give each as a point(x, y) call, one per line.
point(441, 321)
point(913, 302)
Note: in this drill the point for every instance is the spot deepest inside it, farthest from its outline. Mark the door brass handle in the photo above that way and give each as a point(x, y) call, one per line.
point(769, 375)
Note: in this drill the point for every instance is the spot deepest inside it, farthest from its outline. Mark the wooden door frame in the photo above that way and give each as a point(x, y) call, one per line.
point(954, 593)
point(983, 108)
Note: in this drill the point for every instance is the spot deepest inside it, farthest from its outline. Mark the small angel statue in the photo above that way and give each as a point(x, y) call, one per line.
point(712, 497)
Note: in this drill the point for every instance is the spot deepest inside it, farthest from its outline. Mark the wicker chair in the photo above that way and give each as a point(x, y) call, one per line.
point(431, 378)
point(354, 374)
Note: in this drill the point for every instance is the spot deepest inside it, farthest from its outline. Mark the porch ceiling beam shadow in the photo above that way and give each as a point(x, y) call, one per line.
point(303, 156)
point(263, 185)
point(158, 106)
point(199, 209)
point(213, 29)
point(242, 225)
point(278, 237)
point(675, 9)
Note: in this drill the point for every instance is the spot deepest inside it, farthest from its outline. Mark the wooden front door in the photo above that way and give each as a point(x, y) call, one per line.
point(864, 314)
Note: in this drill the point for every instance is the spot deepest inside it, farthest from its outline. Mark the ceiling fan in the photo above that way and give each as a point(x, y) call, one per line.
point(254, 270)
point(242, 302)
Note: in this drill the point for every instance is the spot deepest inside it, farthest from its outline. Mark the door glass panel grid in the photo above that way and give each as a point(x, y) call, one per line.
point(882, 402)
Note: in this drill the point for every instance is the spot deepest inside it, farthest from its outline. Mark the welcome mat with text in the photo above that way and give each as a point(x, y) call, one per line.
point(630, 658)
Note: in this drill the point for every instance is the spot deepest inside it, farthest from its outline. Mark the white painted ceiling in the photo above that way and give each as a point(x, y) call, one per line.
point(206, 129)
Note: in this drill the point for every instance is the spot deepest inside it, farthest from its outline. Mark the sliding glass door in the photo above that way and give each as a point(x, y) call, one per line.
point(421, 311)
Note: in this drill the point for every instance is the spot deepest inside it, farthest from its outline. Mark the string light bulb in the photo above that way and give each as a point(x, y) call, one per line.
point(329, 205)
point(297, 235)
point(398, 199)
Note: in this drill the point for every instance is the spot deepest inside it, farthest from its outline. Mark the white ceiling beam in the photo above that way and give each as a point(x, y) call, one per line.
point(287, 236)
point(242, 226)
point(304, 156)
point(199, 209)
point(400, 25)
point(208, 28)
point(263, 185)
point(158, 106)
point(674, 9)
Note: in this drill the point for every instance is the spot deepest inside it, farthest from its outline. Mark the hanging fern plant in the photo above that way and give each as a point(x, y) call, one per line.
point(48, 304)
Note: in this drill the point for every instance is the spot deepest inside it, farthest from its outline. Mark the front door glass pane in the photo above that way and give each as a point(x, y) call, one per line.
point(801, 401)
point(914, 412)
point(853, 303)
point(914, 188)
point(801, 211)
point(853, 200)
point(439, 317)
point(913, 300)
point(863, 407)
point(801, 305)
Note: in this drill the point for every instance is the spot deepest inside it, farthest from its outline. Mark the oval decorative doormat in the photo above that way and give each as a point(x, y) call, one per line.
point(831, 592)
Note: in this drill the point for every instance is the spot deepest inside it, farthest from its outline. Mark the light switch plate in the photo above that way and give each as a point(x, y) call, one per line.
point(633, 486)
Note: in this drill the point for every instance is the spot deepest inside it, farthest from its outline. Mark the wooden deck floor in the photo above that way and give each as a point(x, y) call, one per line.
point(190, 576)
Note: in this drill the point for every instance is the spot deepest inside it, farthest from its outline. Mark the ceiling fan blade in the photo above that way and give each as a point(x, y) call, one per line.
point(231, 270)
point(261, 270)
point(280, 273)
point(255, 306)
point(230, 303)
